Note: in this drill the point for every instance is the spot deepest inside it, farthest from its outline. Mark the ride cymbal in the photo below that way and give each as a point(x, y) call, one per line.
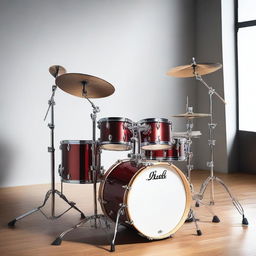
point(84, 86)
point(194, 69)
point(192, 115)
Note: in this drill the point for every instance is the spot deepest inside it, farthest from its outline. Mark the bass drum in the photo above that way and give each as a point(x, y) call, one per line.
point(156, 195)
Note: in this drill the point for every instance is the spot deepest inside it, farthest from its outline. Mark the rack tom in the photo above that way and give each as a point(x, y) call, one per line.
point(76, 161)
point(157, 135)
point(177, 152)
point(115, 133)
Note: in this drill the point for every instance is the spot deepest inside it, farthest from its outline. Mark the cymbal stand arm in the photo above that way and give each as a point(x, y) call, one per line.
point(199, 78)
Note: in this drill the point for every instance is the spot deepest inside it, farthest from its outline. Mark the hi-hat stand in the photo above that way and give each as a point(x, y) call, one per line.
point(52, 191)
point(211, 142)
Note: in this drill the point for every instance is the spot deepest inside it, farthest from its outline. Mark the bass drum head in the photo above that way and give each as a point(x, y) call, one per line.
point(159, 200)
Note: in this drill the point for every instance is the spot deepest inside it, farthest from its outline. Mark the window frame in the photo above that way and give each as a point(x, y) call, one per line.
point(238, 25)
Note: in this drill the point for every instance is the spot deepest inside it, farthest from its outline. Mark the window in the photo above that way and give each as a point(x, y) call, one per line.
point(246, 59)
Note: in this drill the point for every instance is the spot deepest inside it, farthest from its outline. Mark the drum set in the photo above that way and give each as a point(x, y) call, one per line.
point(146, 191)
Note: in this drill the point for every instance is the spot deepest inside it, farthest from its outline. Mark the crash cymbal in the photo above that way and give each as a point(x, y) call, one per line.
point(192, 69)
point(192, 115)
point(82, 85)
point(57, 70)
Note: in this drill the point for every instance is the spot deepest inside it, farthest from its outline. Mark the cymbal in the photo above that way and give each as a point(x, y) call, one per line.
point(57, 70)
point(192, 115)
point(82, 85)
point(192, 69)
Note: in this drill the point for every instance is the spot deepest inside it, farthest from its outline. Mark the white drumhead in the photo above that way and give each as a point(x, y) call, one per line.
point(158, 201)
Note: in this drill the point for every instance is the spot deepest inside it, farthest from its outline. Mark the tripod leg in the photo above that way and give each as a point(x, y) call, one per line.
point(215, 218)
point(58, 240)
point(72, 204)
point(12, 223)
point(198, 231)
point(203, 187)
point(119, 213)
point(235, 202)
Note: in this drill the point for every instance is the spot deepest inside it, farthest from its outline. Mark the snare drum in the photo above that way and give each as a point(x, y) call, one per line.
point(157, 197)
point(115, 134)
point(158, 134)
point(76, 161)
point(177, 152)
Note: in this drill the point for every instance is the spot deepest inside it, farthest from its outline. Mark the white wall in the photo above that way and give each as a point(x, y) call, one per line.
point(131, 44)
point(229, 74)
point(209, 49)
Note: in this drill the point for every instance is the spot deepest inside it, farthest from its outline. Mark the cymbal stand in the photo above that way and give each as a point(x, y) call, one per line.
point(189, 152)
point(211, 142)
point(52, 191)
point(95, 171)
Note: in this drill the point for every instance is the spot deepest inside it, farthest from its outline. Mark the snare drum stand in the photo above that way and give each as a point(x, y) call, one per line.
point(95, 171)
point(52, 191)
point(210, 164)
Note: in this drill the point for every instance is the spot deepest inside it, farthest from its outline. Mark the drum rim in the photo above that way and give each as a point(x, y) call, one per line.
point(127, 144)
point(155, 120)
point(74, 142)
point(79, 181)
point(112, 119)
point(188, 198)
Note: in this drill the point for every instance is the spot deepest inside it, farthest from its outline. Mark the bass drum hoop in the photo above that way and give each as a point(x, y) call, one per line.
point(188, 199)
point(126, 195)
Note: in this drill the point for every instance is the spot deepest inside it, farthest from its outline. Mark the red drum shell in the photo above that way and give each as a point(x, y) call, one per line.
point(159, 134)
point(177, 152)
point(76, 161)
point(114, 190)
point(115, 134)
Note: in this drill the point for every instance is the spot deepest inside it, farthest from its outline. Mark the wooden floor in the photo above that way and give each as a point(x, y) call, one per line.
point(33, 235)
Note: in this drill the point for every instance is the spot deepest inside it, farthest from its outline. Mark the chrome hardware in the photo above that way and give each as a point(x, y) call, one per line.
point(124, 137)
point(147, 164)
point(61, 169)
point(210, 164)
point(51, 149)
point(68, 147)
point(107, 125)
point(129, 222)
point(68, 176)
point(158, 126)
point(126, 187)
point(109, 137)
point(123, 205)
point(212, 126)
point(160, 231)
point(211, 142)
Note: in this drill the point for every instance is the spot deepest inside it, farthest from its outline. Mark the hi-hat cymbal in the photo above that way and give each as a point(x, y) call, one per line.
point(192, 115)
point(193, 69)
point(82, 85)
point(57, 70)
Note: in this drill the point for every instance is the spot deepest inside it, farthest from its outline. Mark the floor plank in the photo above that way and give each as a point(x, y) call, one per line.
point(33, 235)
